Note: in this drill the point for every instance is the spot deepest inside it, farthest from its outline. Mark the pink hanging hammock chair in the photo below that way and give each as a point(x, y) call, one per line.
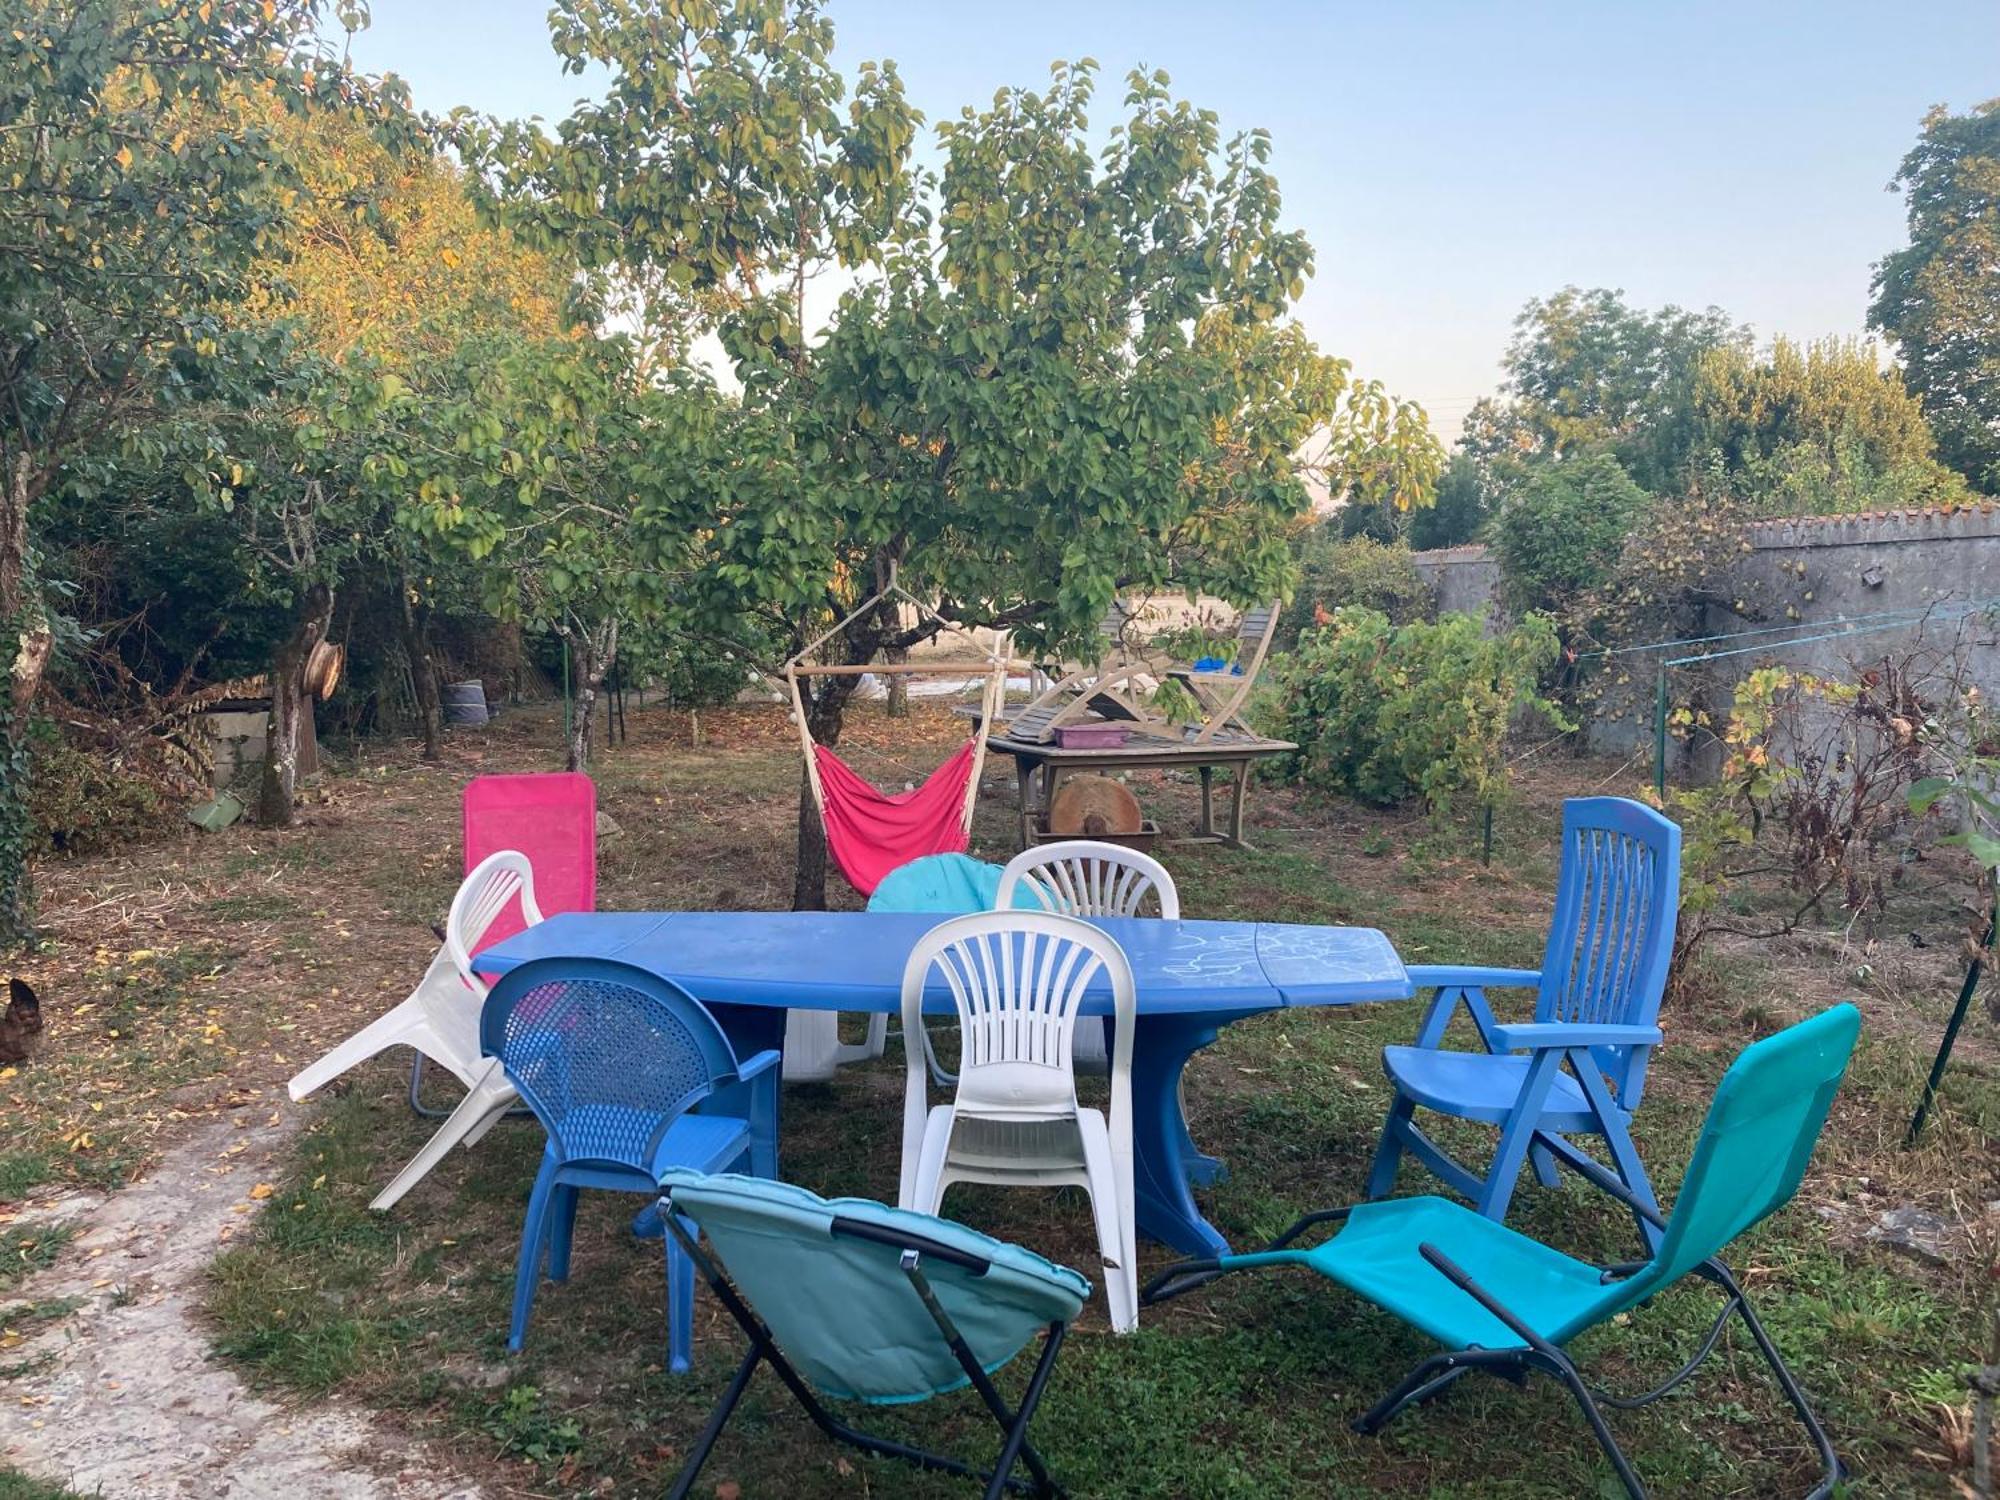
point(869, 832)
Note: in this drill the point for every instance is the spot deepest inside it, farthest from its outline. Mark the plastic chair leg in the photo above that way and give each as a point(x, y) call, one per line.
point(562, 1231)
point(405, 1026)
point(1115, 1237)
point(487, 1102)
point(1389, 1150)
point(534, 1240)
point(680, 1303)
point(927, 1183)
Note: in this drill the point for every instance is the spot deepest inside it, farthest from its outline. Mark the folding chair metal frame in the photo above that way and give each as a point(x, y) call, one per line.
point(1015, 1449)
point(1432, 1376)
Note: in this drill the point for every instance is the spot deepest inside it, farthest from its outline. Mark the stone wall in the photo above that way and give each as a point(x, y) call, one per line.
point(1829, 569)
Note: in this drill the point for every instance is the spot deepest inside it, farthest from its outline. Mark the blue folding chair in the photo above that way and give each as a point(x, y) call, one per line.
point(856, 1301)
point(1580, 1067)
point(1506, 1304)
point(630, 1077)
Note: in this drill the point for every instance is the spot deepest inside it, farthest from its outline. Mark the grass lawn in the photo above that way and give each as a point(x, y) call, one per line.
point(218, 965)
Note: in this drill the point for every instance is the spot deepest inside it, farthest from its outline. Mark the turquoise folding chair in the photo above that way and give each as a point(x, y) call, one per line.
point(1580, 1066)
point(1501, 1302)
point(856, 1301)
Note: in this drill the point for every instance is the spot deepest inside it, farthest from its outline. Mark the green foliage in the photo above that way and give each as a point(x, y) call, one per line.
point(1459, 512)
point(1818, 429)
point(523, 1424)
point(1346, 573)
point(1561, 534)
point(80, 802)
point(1389, 712)
point(1939, 296)
point(1586, 371)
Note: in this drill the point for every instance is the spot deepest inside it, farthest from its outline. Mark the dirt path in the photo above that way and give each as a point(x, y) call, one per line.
point(122, 1395)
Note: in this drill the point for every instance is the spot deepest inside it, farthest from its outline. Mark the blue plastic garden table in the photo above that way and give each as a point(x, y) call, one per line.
point(1194, 978)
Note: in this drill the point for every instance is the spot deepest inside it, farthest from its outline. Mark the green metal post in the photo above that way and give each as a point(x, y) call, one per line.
point(1660, 733)
point(1950, 1034)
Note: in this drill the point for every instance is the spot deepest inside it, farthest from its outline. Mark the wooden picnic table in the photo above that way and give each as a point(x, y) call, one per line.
point(1039, 769)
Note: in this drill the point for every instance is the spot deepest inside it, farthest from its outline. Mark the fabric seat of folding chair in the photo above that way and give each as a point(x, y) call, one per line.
point(1477, 1086)
point(1376, 1257)
point(850, 1323)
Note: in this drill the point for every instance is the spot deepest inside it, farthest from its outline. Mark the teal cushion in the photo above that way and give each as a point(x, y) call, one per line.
point(841, 1308)
point(953, 883)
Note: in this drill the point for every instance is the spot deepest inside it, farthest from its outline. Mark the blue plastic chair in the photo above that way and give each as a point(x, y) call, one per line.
point(1501, 1302)
point(856, 1301)
point(1580, 1067)
point(630, 1077)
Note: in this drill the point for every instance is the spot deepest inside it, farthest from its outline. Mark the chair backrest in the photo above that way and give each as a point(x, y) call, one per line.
point(502, 884)
point(1087, 878)
point(825, 1276)
point(607, 1055)
point(1612, 938)
point(551, 818)
point(1753, 1149)
point(1018, 980)
point(1253, 630)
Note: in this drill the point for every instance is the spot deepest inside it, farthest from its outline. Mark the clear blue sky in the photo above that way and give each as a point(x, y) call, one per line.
point(1447, 160)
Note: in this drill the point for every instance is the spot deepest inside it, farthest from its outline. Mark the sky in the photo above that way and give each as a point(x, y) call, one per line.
point(1448, 161)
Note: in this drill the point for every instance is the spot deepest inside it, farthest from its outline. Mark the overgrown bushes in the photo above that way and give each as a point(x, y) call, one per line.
point(1560, 536)
point(1353, 572)
point(81, 801)
point(1387, 712)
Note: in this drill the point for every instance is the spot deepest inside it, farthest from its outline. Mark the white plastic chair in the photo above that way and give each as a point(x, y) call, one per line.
point(1089, 878)
point(1017, 979)
point(441, 1018)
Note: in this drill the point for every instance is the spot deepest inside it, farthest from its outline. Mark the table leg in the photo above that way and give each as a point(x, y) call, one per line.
point(1162, 1154)
point(1237, 796)
point(1207, 774)
point(1022, 776)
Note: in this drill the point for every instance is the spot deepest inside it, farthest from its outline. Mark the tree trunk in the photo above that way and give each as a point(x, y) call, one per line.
point(288, 703)
point(898, 705)
point(23, 623)
point(414, 627)
point(592, 654)
point(825, 712)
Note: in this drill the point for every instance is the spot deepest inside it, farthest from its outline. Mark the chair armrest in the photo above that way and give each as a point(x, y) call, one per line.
point(1452, 976)
point(1535, 1035)
point(763, 1062)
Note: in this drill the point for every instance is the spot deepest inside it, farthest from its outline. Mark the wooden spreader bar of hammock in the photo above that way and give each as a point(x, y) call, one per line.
point(994, 667)
point(908, 668)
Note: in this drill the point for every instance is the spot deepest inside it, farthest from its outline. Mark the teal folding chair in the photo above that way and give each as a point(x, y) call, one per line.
point(1501, 1302)
point(855, 1301)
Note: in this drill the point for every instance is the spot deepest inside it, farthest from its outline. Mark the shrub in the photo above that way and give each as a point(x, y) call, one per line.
point(1388, 712)
point(1352, 573)
point(82, 802)
point(1459, 511)
point(1560, 535)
